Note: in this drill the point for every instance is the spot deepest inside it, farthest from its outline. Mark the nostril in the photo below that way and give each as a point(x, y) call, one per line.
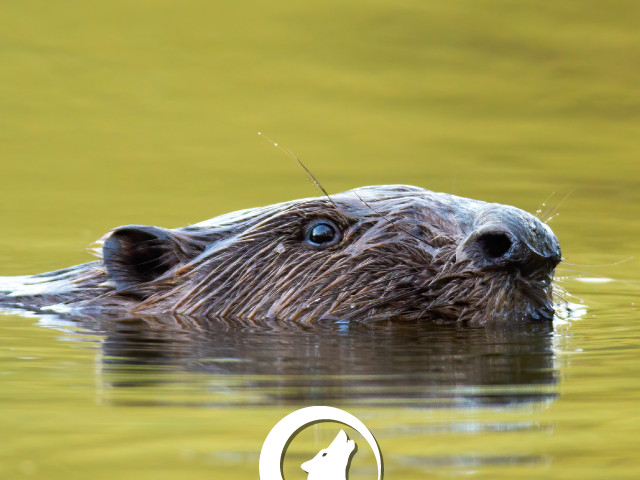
point(494, 244)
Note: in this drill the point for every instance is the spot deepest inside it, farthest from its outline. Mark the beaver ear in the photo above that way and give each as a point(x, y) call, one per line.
point(136, 254)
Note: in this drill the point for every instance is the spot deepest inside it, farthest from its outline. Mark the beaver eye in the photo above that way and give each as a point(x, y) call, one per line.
point(322, 234)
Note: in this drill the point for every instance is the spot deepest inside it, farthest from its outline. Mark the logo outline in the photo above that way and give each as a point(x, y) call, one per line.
point(282, 434)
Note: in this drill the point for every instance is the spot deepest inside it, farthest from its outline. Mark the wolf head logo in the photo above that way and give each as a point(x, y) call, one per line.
point(332, 463)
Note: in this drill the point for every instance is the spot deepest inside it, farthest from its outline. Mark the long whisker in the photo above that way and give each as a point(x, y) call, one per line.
point(599, 276)
point(311, 177)
point(555, 207)
point(605, 265)
point(544, 204)
point(582, 300)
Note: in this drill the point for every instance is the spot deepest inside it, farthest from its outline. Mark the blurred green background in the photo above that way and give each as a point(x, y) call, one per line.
point(145, 111)
point(148, 111)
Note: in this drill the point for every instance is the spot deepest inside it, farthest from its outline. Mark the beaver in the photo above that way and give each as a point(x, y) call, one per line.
point(380, 252)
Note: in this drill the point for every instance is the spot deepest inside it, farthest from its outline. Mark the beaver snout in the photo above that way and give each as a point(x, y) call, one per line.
point(507, 237)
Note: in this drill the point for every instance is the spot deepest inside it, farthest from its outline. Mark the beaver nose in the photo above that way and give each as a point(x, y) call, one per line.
point(504, 236)
point(494, 245)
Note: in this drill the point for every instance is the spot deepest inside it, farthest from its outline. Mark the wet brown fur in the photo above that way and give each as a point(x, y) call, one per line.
point(405, 253)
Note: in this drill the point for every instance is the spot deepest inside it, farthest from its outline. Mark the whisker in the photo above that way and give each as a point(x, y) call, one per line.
point(544, 204)
point(311, 177)
point(599, 276)
point(582, 300)
point(606, 265)
point(545, 213)
point(555, 207)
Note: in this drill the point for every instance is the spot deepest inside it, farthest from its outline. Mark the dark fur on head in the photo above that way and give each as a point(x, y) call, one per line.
point(400, 252)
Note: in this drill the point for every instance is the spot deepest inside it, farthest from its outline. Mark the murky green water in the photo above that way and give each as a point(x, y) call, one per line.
point(148, 112)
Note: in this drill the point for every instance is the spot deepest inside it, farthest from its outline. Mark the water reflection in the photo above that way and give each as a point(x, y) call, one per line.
point(229, 363)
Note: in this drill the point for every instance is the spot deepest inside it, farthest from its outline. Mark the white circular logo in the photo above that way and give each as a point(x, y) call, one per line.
point(332, 462)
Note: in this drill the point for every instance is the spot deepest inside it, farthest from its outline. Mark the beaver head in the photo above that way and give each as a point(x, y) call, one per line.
point(395, 252)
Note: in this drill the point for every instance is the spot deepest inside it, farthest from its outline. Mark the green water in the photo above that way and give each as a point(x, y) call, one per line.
point(148, 112)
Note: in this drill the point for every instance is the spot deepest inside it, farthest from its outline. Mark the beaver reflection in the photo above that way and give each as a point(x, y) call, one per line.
point(382, 364)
